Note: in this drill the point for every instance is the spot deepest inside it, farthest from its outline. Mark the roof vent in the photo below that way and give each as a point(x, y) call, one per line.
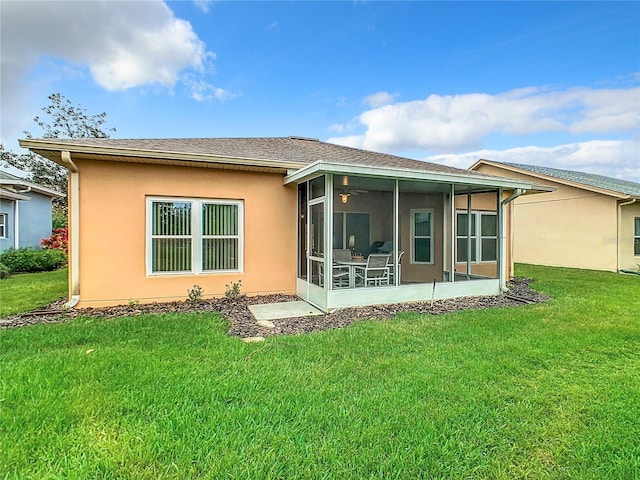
point(292, 137)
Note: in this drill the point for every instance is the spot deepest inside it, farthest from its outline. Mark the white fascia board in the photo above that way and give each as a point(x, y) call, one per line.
point(156, 154)
point(32, 187)
point(12, 196)
point(401, 174)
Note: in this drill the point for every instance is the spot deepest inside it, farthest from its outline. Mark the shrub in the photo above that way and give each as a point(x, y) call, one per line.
point(232, 290)
point(58, 220)
point(194, 295)
point(58, 241)
point(4, 271)
point(25, 260)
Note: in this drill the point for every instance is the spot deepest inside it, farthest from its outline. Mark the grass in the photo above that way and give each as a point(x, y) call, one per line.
point(28, 291)
point(539, 391)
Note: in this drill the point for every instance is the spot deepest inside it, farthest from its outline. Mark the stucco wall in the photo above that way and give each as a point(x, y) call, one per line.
point(35, 219)
point(113, 228)
point(570, 227)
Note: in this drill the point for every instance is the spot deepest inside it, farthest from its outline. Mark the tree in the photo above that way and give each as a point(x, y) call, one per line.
point(64, 121)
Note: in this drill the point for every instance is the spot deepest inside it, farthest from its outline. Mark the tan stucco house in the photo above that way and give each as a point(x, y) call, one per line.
point(589, 221)
point(149, 219)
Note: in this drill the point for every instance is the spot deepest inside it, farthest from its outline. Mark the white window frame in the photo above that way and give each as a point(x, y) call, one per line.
point(636, 236)
point(477, 214)
point(412, 213)
point(3, 225)
point(196, 234)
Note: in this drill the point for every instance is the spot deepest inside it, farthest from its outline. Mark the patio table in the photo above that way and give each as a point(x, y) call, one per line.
point(352, 269)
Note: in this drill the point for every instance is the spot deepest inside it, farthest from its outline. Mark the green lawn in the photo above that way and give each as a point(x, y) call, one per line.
point(28, 291)
point(539, 391)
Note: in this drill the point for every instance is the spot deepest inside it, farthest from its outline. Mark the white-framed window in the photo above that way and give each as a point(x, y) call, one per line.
point(636, 237)
point(484, 236)
point(3, 225)
point(422, 236)
point(188, 235)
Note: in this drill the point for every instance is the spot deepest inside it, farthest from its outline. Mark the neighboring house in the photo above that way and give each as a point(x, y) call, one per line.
point(25, 212)
point(590, 221)
point(149, 219)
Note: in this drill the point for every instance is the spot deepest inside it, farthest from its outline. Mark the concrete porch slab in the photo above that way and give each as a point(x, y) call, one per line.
point(275, 311)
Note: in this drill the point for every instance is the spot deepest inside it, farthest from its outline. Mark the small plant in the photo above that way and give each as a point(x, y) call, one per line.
point(134, 302)
point(232, 290)
point(4, 271)
point(194, 295)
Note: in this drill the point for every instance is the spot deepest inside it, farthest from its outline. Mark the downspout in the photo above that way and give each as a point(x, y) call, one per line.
point(74, 226)
point(503, 237)
point(16, 219)
point(619, 229)
point(16, 223)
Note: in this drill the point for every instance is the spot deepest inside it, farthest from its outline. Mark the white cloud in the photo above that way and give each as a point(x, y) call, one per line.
point(612, 158)
point(449, 123)
point(203, 91)
point(203, 5)
point(379, 99)
point(122, 44)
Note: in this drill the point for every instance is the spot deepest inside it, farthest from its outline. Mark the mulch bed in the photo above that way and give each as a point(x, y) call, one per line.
point(243, 324)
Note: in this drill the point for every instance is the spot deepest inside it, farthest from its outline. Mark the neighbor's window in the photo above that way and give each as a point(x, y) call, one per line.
point(421, 236)
point(3, 225)
point(636, 237)
point(484, 226)
point(194, 236)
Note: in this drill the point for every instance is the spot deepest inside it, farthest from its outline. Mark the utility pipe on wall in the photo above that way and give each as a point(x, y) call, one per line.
point(74, 226)
point(503, 237)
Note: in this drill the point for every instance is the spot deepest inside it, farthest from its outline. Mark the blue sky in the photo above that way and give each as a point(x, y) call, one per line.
point(547, 83)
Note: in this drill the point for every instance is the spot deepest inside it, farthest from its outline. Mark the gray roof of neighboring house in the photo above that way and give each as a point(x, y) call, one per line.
point(8, 179)
point(288, 149)
point(599, 181)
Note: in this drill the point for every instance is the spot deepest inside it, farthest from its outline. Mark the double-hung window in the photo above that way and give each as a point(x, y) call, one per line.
point(483, 236)
point(636, 237)
point(194, 235)
point(3, 225)
point(421, 236)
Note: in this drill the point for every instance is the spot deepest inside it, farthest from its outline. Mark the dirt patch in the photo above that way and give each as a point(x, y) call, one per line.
point(243, 324)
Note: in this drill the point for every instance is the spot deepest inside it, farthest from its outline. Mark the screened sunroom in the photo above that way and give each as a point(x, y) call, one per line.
point(373, 235)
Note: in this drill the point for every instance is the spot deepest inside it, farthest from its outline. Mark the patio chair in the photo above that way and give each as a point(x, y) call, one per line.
point(392, 267)
point(375, 272)
point(340, 275)
point(341, 255)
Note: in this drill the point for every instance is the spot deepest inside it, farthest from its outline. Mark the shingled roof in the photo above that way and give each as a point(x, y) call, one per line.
point(297, 150)
point(599, 181)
